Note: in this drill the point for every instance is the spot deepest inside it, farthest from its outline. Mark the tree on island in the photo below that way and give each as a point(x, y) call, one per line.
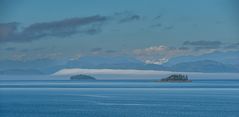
point(176, 78)
point(82, 77)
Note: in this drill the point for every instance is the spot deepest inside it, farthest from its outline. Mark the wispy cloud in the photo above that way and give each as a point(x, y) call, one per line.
point(127, 16)
point(157, 17)
point(130, 18)
point(110, 51)
point(210, 46)
point(96, 49)
point(156, 25)
point(101, 51)
point(168, 27)
point(10, 49)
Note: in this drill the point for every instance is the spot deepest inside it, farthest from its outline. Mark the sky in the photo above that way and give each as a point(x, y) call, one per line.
point(150, 30)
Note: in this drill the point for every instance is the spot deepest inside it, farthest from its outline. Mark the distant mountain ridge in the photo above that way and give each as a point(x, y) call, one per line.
point(206, 63)
point(204, 66)
point(94, 62)
point(21, 72)
point(222, 57)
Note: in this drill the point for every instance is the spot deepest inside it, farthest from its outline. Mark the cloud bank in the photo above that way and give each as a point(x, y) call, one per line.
point(140, 74)
point(75, 71)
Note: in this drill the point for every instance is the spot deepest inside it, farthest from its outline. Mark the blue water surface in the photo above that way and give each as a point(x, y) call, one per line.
point(63, 98)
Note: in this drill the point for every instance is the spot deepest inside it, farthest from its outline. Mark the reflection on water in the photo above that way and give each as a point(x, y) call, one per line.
point(119, 98)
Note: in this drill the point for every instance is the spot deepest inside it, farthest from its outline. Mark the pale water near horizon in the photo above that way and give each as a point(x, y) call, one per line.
point(63, 98)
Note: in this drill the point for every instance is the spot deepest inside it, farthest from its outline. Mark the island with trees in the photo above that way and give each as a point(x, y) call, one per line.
point(82, 77)
point(176, 78)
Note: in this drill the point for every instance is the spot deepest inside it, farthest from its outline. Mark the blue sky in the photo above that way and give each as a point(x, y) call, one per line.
point(150, 30)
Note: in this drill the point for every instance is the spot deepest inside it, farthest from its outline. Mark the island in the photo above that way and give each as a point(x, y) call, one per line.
point(176, 78)
point(82, 77)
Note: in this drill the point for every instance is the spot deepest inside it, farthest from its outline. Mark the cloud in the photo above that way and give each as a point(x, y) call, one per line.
point(156, 61)
point(11, 32)
point(96, 49)
point(155, 49)
point(126, 16)
point(161, 54)
point(130, 18)
point(7, 29)
point(183, 48)
point(155, 54)
point(101, 51)
point(168, 27)
point(78, 25)
point(232, 46)
point(10, 49)
point(110, 51)
point(202, 44)
point(157, 25)
point(158, 17)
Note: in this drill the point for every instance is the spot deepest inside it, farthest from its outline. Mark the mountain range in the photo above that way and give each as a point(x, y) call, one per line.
point(214, 62)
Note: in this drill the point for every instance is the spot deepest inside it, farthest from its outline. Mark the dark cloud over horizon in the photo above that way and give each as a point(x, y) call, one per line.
point(9, 32)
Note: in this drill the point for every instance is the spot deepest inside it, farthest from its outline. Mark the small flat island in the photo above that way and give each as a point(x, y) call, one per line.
point(176, 78)
point(82, 77)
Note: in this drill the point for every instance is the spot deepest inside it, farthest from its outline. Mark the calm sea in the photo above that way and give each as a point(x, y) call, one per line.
point(119, 98)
